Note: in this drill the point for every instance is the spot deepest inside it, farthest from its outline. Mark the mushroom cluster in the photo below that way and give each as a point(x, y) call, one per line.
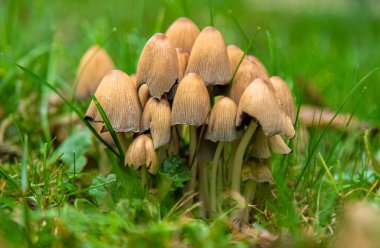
point(184, 95)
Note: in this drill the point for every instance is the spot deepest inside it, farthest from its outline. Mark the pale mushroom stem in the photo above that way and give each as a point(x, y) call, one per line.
point(229, 168)
point(204, 187)
point(192, 157)
point(248, 193)
point(214, 172)
point(239, 155)
point(144, 177)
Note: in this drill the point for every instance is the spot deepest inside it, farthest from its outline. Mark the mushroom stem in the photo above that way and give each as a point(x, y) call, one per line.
point(192, 157)
point(239, 155)
point(204, 187)
point(229, 168)
point(144, 177)
point(248, 193)
point(213, 180)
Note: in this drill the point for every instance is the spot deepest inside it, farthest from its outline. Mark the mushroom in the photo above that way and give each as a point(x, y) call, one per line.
point(143, 94)
point(285, 97)
point(93, 66)
point(263, 146)
point(156, 117)
point(118, 97)
point(158, 65)
point(235, 54)
point(221, 127)
point(183, 33)
point(209, 58)
point(141, 153)
point(259, 64)
point(259, 101)
point(191, 106)
point(183, 58)
point(247, 72)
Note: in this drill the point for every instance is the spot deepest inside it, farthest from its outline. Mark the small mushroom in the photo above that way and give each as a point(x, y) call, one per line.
point(183, 58)
point(209, 58)
point(118, 97)
point(259, 64)
point(183, 33)
point(141, 153)
point(143, 94)
point(93, 66)
point(156, 117)
point(285, 96)
point(158, 65)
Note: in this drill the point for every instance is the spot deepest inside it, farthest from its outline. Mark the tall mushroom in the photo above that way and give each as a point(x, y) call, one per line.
point(191, 106)
point(259, 102)
point(158, 65)
point(93, 66)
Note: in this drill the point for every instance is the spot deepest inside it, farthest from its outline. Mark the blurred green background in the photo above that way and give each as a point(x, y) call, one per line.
point(332, 44)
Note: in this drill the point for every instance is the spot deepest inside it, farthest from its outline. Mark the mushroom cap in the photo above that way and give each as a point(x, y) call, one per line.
point(183, 58)
point(93, 66)
point(156, 117)
point(209, 58)
point(260, 144)
point(259, 101)
point(183, 33)
point(143, 94)
point(221, 123)
point(234, 55)
point(118, 97)
point(141, 153)
point(278, 145)
point(158, 65)
point(284, 95)
point(247, 72)
point(259, 172)
point(191, 102)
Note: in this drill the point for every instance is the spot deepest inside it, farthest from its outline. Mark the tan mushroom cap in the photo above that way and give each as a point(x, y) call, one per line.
point(133, 78)
point(259, 172)
point(156, 117)
point(234, 55)
point(158, 65)
point(259, 101)
point(118, 97)
point(93, 66)
point(247, 72)
point(278, 145)
point(183, 58)
point(209, 58)
point(141, 153)
point(143, 94)
point(285, 96)
point(191, 102)
point(260, 144)
point(183, 33)
point(221, 123)
point(255, 60)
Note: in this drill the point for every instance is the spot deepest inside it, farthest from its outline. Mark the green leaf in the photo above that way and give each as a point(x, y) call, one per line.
point(103, 193)
point(78, 142)
point(174, 168)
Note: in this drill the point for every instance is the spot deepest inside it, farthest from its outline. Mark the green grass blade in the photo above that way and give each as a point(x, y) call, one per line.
point(68, 103)
point(109, 127)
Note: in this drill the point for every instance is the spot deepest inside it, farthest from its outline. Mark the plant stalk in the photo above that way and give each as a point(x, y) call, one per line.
point(239, 155)
point(213, 180)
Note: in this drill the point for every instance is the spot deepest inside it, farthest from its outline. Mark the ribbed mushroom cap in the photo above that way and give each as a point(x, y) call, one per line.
point(141, 153)
point(259, 101)
point(191, 102)
point(156, 117)
point(183, 33)
point(285, 96)
point(133, 78)
point(221, 123)
point(143, 94)
point(234, 55)
point(183, 58)
point(118, 97)
point(259, 172)
point(158, 65)
point(247, 72)
point(259, 64)
point(93, 66)
point(209, 58)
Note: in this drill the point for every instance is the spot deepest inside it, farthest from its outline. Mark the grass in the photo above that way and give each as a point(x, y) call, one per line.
point(60, 186)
